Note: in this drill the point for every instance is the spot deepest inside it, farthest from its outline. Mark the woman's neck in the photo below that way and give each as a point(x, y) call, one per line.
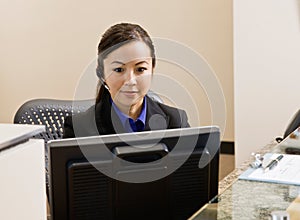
point(132, 111)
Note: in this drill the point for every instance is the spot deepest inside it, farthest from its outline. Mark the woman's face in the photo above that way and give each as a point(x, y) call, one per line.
point(128, 74)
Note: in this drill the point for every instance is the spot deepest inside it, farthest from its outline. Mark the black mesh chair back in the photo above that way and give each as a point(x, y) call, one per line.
point(51, 113)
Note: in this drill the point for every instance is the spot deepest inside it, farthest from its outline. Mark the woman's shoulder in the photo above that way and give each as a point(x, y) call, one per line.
point(165, 107)
point(177, 116)
point(169, 108)
point(83, 115)
point(78, 122)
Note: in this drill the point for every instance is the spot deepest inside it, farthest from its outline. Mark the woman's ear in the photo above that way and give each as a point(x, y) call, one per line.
point(99, 73)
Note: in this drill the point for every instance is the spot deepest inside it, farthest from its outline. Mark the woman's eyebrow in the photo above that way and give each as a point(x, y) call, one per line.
point(141, 62)
point(117, 62)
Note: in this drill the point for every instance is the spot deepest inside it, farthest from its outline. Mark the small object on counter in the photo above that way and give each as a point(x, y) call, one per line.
point(257, 162)
point(280, 215)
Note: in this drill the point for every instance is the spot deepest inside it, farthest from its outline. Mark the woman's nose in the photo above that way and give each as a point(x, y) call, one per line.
point(130, 78)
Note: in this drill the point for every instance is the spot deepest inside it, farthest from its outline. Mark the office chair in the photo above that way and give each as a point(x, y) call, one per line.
point(292, 126)
point(52, 113)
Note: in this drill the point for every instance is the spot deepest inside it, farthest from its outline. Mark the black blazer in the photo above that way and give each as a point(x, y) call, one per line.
point(101, 119)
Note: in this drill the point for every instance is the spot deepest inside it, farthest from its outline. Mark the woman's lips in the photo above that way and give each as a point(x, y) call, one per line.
point(129, 93)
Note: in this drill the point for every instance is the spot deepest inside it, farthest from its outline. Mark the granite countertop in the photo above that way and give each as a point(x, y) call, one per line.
point(249, 200)
point(233, 176)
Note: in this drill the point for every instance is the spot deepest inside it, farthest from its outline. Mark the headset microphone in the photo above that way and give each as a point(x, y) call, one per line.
point(104, 83)
point(100, 76)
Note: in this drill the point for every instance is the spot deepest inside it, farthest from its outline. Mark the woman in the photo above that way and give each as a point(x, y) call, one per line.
point(126, 60)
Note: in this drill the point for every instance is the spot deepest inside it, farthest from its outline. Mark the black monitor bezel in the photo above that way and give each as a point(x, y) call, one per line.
point(69, 148)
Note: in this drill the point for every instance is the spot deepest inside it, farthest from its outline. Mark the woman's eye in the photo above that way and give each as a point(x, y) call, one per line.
point(141, 69)
point(118, 70)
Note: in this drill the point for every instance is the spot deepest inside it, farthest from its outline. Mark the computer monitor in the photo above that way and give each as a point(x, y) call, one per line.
point(162, 174)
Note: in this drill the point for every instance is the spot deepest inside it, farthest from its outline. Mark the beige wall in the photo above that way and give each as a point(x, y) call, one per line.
point(47, 45)
point(266, 71)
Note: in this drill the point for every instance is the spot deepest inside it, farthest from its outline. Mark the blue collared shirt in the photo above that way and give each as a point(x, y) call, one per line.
point(128, 123)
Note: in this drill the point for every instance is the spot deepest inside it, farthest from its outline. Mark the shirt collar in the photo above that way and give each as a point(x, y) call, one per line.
point(124, 118)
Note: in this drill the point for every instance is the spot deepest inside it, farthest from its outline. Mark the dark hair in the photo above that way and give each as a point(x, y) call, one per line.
point(114, 37)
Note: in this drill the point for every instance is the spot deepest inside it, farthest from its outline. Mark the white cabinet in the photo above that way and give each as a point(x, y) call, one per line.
point(22, 173)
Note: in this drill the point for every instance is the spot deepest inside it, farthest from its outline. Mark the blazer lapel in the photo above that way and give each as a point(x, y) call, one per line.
point(107, 119)
point(156, 119)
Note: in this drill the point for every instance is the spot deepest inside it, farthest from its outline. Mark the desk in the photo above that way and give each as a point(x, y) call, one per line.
point(249, 200)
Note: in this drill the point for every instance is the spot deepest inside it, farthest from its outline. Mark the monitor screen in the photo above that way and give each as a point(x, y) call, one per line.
point(162, 174)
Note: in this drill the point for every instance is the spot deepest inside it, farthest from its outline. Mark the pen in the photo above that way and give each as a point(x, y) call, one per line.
point(273, 163)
